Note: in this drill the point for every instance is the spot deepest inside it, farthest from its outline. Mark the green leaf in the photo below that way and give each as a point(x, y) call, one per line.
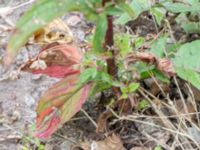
point(137, 6)
point(127, 90)
point(188, 56)
point(172, 48)
point(158, 47)
point(133, 87)
point(139, 41)
point(143, 69)
point(187, 25)
point(99, 87)
point(130, 89)
point(159, 14)
point(88, 74)
point(143, 104)
point(160, 76)
point(158, 148)
point(191, 27)
point(122, 41)
point(147, 71)
point(41, 13)
point(126, 8)
point(190, 76)
point(105, 77)
point(100, 33)
point(124, 96)
point(181, 7)
point(115, 11)
point(187, 62)
point(124, 90)
point(192, 1)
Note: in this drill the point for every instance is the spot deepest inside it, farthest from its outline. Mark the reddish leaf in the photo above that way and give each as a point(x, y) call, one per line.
point(166, 66)
point(61, 102)
point(55, 61)
point(143, 56)
point(74, 104)
point(57, 71)
point(162, 64)
point(49, 125)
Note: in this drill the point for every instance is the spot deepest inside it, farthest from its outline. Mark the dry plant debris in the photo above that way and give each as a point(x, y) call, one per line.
point(112, 142)
point(56, 31)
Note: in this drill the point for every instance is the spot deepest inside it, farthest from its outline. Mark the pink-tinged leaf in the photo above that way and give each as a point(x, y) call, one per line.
point(57, 71)
point(58, 104)
point(162, 64)
point(166, 66)
point(55, 61)
point(49, 125)
point(74, 104)
point(56, 95)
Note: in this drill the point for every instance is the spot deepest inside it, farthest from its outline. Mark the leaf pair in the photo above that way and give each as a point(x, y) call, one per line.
point(60, 102)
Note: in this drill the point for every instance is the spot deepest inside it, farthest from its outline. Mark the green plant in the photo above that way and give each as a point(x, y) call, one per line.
point(82, 78)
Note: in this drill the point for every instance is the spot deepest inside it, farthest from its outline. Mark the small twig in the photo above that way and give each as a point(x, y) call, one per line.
point(66, 138)
point(181, 95)
point(154, 125)
point(88, 116)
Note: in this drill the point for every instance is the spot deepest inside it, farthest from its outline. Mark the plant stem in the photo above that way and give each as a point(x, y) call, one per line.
point(112, 69)
point(108, 45)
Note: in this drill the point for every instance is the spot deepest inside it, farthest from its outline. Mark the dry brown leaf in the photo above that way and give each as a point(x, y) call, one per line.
point(193, 90)
point(102, 121)
point(196, 93)
point(180, 111)
point(164, 64)
point(56, 31)
point(180, 108)
point(112, 142)
point(38, 64)
point(155, 90)
point(143, 56)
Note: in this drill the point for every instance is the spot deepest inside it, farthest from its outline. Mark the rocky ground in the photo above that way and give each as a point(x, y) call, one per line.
point(20, 91)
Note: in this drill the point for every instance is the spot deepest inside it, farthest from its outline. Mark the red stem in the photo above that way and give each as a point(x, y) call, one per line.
point(109, 42)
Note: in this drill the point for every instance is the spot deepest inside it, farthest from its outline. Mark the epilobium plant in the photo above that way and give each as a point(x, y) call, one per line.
point(84, 77)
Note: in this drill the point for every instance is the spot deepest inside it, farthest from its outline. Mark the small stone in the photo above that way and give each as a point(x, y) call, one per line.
point(15, 116)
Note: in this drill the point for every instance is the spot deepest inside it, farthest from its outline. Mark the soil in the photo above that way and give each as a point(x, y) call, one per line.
point(19, 92)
